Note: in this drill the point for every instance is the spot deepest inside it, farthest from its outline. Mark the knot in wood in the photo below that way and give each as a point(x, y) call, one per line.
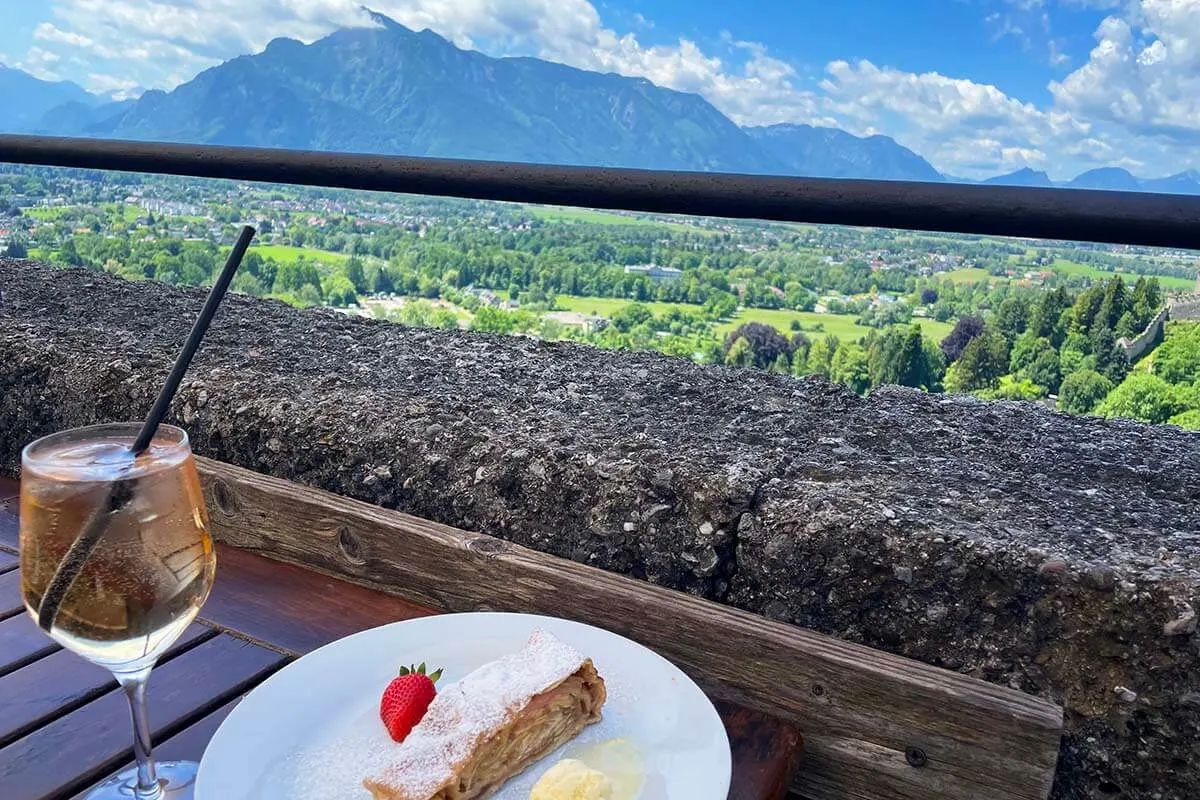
point(487, 546)
point(224, 498)
point(350, 546)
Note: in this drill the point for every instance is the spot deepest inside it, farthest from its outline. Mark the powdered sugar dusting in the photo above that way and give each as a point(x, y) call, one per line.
point(334, 770)
point(464, 712)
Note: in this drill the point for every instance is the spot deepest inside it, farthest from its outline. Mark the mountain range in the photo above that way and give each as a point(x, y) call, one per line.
point(389, 89)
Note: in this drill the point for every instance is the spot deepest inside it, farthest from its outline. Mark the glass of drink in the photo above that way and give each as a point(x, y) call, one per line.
point(145, 579)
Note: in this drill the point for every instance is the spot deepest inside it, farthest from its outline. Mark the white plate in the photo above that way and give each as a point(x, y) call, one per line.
point(312, 730)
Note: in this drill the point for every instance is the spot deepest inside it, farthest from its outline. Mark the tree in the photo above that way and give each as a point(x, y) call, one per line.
point(1011, 388)
point(1081, 391)
point(1048, 319)
point(800, 362)
point(445, 319)
point(1114, 305)
point(355, 274)
point(16, 249)
point(1085, 309)
point(966, 329)
point(1126, 326)
point(1110, 359)
point(711, 352)
point(820, 355)
point(69, 255)
point(766, 343)
point(1187, 419)
point(630, 316)
point(781, 366)
point(1177, 359)
point(929, 296)
point(493, 320)
point(983, 361)
point(900, 357)
point(1045, 371)
point(739, 354)
point(1140, 396)
point(1035, 359)
point(721, 305)
point(1012, 316)
point(339, 291)
point(292, 276)
point(851, 368)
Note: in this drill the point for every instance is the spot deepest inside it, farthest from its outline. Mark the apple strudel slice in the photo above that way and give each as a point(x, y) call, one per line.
point(494, 723)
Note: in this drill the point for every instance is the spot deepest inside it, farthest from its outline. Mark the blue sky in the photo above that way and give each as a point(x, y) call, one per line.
point(978, 87)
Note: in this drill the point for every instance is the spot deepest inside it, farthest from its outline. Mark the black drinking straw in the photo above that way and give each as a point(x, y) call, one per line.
point(121, 491)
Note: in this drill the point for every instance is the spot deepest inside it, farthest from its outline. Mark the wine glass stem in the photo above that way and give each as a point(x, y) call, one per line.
point(134, 684)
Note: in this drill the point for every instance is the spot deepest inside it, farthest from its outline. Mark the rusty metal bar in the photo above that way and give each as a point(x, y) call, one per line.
point(1098, 216)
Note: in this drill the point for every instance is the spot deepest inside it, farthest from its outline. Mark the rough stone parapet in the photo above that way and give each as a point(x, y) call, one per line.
point(1054, 554)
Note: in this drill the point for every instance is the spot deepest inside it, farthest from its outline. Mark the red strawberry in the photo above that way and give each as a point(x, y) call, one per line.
point(406, 699)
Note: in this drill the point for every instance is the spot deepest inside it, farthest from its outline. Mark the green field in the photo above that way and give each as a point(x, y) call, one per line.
point(607, 306)
point(128, 212)
point(968, 275)
point(48, 213)
point(284, 253)
point(843, 326)
point(840, 325)
point(605, 218)
point(1168, 282)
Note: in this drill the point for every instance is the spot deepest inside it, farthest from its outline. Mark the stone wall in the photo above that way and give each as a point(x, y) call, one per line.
point(1134, 348)
point(1185, 307)
point(1056, 555)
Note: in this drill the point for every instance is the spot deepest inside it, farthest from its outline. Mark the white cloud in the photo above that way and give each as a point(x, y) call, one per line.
point(1056, 57)
point(114, 87)
point(49, 33)
point(1143, 75)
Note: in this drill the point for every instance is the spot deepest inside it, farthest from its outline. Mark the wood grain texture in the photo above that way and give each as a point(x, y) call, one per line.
point(22, 642)
point(61, 682)
point(187, 745)
point(75, 750)
point(758, 744)
point(10, 594)
point(292, 608)
point(8, 561)
point(860, 710)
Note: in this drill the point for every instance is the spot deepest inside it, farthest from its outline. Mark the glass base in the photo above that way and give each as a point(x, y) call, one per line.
point(176, 778)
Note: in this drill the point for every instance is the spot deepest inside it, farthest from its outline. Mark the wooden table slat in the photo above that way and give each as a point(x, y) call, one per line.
point(22, 642)
point(187, 745)
point(10, 594)
point(8, 561)
point(75, 750)
point(61, 682)
point(292, 608)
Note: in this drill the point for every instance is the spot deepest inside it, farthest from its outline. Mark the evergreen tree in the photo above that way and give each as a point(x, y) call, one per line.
point(982, 363)
point(739, 354)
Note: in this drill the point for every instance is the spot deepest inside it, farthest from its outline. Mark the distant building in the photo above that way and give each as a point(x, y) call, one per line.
point(654, 272)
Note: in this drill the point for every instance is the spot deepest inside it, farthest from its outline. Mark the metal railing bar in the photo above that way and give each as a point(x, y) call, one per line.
point(1134, 218)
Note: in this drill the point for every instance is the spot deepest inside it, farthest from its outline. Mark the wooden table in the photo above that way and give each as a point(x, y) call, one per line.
point(64, 725)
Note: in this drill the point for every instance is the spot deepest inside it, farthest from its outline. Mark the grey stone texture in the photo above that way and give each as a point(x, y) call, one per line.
point(1056, 555)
